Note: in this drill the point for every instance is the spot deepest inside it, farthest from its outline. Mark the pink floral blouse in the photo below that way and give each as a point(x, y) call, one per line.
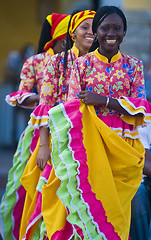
point(55, 86)
point(31, 77)
point(121, 79)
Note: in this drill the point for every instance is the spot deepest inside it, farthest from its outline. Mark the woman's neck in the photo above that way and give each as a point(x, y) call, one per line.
point(108, 54)
point(82, 51)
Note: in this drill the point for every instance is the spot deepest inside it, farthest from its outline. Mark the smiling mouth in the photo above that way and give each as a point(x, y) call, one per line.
point(89, 39)
point(111, 41)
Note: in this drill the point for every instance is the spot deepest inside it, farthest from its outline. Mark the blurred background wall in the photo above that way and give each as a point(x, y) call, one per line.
point(21, 23)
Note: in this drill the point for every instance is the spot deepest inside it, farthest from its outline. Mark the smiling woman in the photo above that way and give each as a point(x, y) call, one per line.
point(110, 34)
point(54, 91)
point(83, 36)
point(96, 152)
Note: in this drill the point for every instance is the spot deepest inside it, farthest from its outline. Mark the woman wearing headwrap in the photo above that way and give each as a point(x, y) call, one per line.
point(54, 91)
point(96, 151)
point(32, 71)
point(51, 41)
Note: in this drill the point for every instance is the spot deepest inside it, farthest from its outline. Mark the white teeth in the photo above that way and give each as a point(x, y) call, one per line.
point(111, 41)
point(91, 39)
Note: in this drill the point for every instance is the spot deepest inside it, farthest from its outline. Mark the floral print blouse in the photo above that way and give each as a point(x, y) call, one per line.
point(31, 77)
point(55, 86)
point(122, 78)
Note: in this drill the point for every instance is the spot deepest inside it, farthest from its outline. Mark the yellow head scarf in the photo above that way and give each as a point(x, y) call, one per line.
point(59, 25)
point(78, 18)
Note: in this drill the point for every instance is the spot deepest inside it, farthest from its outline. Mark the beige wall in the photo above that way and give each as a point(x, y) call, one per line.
point(21, 21)
point(137, 4)
point(19, 25)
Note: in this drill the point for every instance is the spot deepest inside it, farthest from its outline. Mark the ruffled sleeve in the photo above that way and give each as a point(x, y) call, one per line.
point(134, 106)
point(26, 85)
point(18, 98)
point(39, 117)
point(137, 102)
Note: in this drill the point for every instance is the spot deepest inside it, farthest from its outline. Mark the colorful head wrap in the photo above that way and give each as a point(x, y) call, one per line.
point(78, 18)
point(59, 25)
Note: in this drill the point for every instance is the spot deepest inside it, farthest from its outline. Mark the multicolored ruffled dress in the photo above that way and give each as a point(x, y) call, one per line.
point(97, 157)
point(13, 198)
point(53, 92)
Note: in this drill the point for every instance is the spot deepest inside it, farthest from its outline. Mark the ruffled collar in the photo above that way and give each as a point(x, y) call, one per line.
point(50, 51)
point(75, 50)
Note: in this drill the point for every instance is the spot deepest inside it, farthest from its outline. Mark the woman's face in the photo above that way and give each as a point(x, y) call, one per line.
point(83, 35)
point(110, 34)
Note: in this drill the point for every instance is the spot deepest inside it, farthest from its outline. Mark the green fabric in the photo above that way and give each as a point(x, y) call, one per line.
point(9, 198)
point(66, 169)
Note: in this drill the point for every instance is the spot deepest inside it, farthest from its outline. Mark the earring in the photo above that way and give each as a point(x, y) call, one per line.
point(73, 35)
point(63, 43)
point(96, 37)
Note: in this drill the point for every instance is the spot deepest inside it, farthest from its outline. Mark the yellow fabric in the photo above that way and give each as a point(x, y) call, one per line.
point(49, 19)
point(38, 122)
point(115, 169)
point(78, 18)
point(115, 172)
point(75, 50)
point(50, 51)
point(53, 210)
point(136, 121)
point(105, 59)
point(60, 30)
point(51, 204)
point(30, 175)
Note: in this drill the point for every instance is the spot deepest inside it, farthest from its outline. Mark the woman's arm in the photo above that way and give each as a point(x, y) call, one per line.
point(32, 100)
point(44, 151)
point(90, 98)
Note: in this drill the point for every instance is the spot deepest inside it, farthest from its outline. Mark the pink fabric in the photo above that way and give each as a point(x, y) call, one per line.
point(89, 197)
point(139, 103)
point(37, 214)
point(18, 97)
point(31, 76)
point(39, 117)
point(17, 211)
point(34, 140)
point(41, 111)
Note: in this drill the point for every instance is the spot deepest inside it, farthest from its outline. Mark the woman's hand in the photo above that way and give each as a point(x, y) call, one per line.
point(90, 98)
point(43, 156)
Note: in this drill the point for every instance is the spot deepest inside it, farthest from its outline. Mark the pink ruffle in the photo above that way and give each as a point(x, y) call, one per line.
point(19, 97)
point(80, 156)
point(138, 103)
point(39, 117)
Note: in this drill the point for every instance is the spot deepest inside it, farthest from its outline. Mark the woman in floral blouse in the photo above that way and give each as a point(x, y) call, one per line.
point(53, 91)
point(97, 157)
point(32, 71)
point(52, 39)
